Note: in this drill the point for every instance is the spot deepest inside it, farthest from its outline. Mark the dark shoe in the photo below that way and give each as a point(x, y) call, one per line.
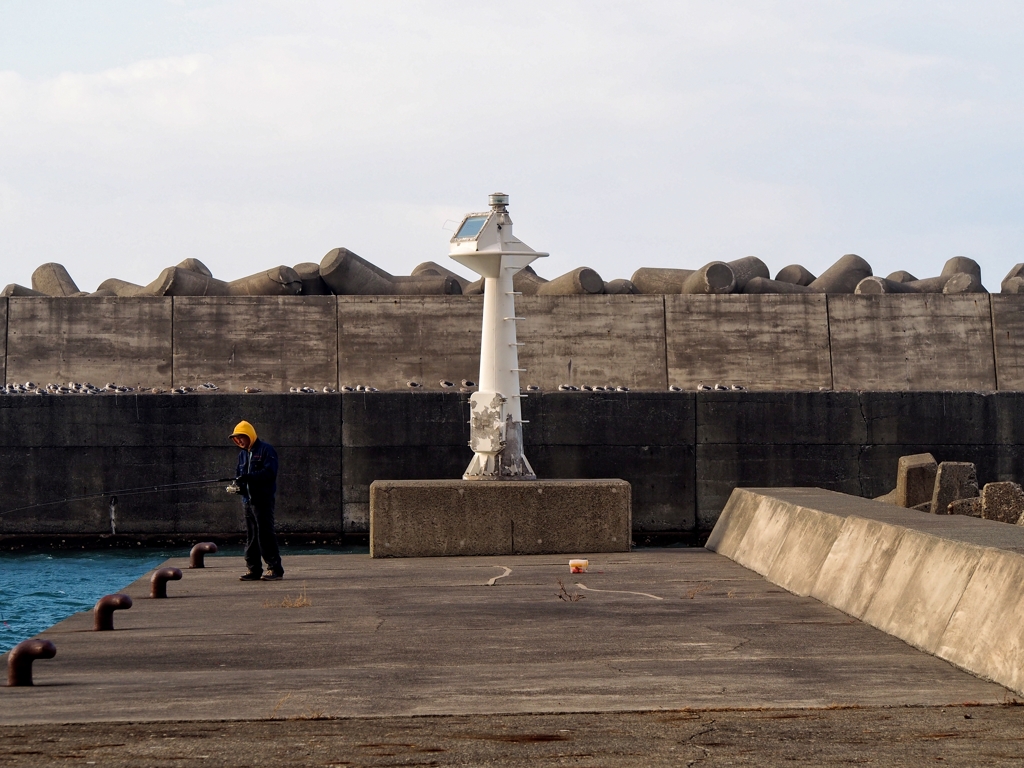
point(250, 576)
point(273, 575)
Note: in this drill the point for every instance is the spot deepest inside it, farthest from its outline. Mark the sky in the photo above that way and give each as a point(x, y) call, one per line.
point(659, 134)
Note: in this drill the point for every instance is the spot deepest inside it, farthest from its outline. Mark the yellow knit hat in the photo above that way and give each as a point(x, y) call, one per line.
point(247, 429)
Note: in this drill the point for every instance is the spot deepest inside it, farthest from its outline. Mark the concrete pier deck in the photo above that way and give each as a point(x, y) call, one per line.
point(477, 643)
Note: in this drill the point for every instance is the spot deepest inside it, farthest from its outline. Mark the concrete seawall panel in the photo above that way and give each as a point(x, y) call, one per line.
point(271, 343)
point(1008, 335)
point(762, 342)
point(947, 585)
point(387, 341)
point(95, 340)
point(912, 342)
point(595, 340)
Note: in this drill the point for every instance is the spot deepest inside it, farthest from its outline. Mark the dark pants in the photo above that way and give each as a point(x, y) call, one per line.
point(260, 538)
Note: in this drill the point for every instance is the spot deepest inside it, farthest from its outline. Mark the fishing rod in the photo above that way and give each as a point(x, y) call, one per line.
point(123, 492)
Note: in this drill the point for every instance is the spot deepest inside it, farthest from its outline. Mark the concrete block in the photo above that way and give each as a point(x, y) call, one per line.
point(843, 276)
point(175, 281)
point(348, 273)
point(915, 479)
point(660, 280)
point(963, 283)
point(873, 286)
point(930, 284)
point(985, 634)
point(425, 285)
point(271, 343)
point(713, 278)
point(901, 276)
point(856, 565)
point(1003, 502)
point(1013, 285)
point(581, 281)
point(195, 265)
point(526, 281)
point(760, 342)
point(433, 268)
point(312, 283)
point(120, 287)
point(758, 285)
point(596, 340)
point(1014, 280)
point(795, 274)
point(911, 342)
point(953, 480)
point(53, 280)
point(746, 269)
point(969, 507)
point(386, 342)
point(614, 287)
point(456, 517)
point(19, 290)
point(922, 586)
point(279, 281)
point(95, 340)
point(959, 265)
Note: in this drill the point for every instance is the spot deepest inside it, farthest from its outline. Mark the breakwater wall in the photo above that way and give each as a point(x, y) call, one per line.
point(683, 453)
point(906, 342)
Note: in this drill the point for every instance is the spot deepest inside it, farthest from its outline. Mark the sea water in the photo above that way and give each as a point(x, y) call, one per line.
point(38, 589)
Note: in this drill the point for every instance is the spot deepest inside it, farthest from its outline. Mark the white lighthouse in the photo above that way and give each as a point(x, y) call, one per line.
point(484, 242)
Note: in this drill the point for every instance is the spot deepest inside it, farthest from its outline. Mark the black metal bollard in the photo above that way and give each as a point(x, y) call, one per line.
point(195, 557)
point(21, 656)
point(158, 582)
point(103, 612)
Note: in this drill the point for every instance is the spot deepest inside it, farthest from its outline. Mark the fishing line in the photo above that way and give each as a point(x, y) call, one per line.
point(123, 492)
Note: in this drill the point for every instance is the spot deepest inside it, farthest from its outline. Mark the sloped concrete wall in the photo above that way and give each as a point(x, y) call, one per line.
point(126, 340)
point(948, 585)
point(762, 342)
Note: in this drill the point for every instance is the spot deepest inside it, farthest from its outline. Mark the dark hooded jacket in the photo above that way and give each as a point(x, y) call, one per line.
point(258, 467)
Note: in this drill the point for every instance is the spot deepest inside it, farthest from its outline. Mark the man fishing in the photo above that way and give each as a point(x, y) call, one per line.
point(256, 480)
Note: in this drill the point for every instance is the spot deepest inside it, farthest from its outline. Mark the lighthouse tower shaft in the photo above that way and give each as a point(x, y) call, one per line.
point(484, 242)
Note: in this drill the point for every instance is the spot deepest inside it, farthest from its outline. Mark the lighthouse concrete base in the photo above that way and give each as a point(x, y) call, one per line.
point(436, 518)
